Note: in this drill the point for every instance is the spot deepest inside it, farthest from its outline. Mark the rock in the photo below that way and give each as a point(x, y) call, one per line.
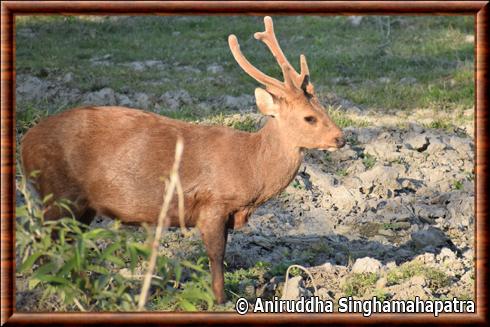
point(240, 102)
point(340, 258)
point(436, 145)
point(101, 60)
point(103, 97)
point(416, 128)
point(67, 78)
point(384, 80)
point(417, 142)
point(418, 280)
point(407, 290)
point(384, 178)
point(142, 100)
point(366, 135)
point(188, 70)
point(320, 179)
point(175, 99)
point(426, 258)
point(123, 100)
point(460, 210)
point(467, 277)
point(381, 283)
point(262, 241)
point(154, 64)
point(343, 154)
point(386, 232)
point(328, 267)
point(383, 150)
point(294, 289)
point(343, 198)
point(462, 145)
point(137, 66)
point(366, 265)
point(323, 294)
point(428, 212)
point(431, 236)
point(215, 69)
point(355, 20)
point(391, 265)
point(340, 80)
point(408, 80)
point(446, 255)
point(31, 88)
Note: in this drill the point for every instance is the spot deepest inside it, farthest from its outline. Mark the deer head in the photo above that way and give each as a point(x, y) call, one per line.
point(301, 118)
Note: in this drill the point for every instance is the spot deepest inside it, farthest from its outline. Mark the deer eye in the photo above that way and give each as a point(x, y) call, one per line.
point(310, 120)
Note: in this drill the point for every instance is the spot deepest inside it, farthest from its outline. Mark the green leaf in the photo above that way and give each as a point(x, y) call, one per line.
point(21, 211)
point(27, 264)
point(67, 267)
point(32, 283)
point(115, 260)
point(53, 279)
point(110, 250)
point(186, 305)
point(48, 198)
point(97, 233)
point(49, 267)
point(98, 269)
point(141, 248)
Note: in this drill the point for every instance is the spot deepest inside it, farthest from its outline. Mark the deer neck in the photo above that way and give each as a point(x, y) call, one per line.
point(278, 159)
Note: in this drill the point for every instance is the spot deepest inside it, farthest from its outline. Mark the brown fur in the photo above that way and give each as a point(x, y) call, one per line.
point(110, 161)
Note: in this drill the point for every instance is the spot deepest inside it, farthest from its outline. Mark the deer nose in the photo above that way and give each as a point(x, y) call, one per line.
point(340, 142)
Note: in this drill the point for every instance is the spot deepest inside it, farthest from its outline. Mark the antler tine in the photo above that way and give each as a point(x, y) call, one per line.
point(269, 38)
point(304, 67)
point(272, 84)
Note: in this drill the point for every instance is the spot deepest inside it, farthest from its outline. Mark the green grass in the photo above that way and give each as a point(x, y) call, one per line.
point(359, 284)
point(435, 277)
point(431, 50)
point(368, 161)
point(458, 185)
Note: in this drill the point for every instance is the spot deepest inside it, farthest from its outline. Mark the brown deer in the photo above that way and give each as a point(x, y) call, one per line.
point(109, 160)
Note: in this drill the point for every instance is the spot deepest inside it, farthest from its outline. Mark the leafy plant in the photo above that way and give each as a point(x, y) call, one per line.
point(96, 269)
point(358, 284)
point(368, 161)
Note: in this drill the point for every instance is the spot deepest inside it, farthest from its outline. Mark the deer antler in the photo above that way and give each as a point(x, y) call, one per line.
point(269, 38)
point(292, 80)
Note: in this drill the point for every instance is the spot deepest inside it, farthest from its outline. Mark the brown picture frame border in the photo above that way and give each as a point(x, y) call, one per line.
point(9, 9)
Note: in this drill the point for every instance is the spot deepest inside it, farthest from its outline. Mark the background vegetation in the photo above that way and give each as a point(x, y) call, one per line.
point(386, 64)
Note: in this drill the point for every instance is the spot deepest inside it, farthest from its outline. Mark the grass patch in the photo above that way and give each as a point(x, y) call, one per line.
point(359, 284)
point(433, 52)
point(368, 161)
point(342, 172)
point(457, 185)
point(84, 269)
point(233, 279)
point(436, 278)
point(247, 125)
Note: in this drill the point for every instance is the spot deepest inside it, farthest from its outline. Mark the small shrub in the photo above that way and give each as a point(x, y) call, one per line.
point(358, 284)
point(84, 268)
point(342, 172)
point(458, 185)
point(368, 161)
point(247, 125)
point(435, 277)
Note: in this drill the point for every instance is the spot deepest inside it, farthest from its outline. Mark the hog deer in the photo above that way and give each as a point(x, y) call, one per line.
point(109, 160)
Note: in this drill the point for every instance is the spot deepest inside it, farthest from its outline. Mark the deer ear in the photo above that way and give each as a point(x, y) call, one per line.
point(265, 102)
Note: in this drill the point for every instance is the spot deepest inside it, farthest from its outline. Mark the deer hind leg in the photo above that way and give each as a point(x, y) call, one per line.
point(214, 234)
